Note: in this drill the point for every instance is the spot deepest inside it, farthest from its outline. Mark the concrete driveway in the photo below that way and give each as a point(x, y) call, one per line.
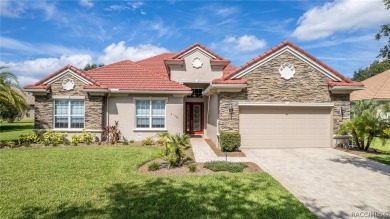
point(331, 183)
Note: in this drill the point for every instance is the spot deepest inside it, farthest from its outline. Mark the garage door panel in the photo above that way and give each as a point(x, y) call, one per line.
point(285, 127)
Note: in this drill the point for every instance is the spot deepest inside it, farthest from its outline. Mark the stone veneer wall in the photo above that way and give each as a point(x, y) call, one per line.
point(44, 105)
point(266, 85)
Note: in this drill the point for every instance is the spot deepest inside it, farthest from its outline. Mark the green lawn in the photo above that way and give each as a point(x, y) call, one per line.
point(382, 145)
point(11, 131)
point(103, 182)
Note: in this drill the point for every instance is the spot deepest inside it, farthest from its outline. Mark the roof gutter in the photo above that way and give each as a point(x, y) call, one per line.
point(37, 92)
point(345, 89)
point(118, 91)
point(286, 104)
point(218, 88)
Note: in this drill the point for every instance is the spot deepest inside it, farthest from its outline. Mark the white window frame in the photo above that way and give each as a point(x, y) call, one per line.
point(150, 99)
point(59, 98)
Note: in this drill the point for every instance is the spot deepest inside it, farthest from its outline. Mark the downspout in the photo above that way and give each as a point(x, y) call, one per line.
point(208, 112)
point(107, 114)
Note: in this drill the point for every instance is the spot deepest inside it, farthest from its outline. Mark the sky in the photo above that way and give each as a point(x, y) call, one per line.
point(38, 37)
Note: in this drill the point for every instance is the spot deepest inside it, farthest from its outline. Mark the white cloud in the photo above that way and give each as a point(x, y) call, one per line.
point(30, 71)
point(341, 15)
point(245, 43)
point(9, 8)
point(223, 12)
point(9, 43)
point(119, 52)
point(34, 49)
point(117, 8)
point(135, 5)
point(86, 3)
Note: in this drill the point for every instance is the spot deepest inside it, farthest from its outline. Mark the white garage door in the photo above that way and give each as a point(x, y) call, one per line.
point(285, 127)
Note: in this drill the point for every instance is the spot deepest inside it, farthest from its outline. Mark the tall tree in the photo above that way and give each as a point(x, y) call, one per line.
point(12, 102)
point(375, 68)
point(91, 66)
point(384, 32)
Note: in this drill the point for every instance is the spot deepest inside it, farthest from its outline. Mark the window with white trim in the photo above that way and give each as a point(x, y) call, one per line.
point(69, 114)
point(150, 114)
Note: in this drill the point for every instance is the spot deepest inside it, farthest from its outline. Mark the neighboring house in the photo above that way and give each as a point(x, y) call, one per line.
point(377, 88)
point(280, 99)
point(30, 112)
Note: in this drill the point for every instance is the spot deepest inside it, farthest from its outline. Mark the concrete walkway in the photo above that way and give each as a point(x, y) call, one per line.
point(330, 183)
point(203, 152)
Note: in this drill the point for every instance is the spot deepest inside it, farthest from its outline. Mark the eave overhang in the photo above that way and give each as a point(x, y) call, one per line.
point(228, 88)
point(284, 104)
point(37, 91)
point(345, 89)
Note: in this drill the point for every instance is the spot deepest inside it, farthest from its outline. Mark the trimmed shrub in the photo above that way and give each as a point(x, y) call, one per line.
point(75, 140)
point(28, 139)
point(148, 141)
point(53, 138)
point(162, 141)
point(230, 141)
point(8, 144)
point(386, 133)
point(86, 137)
point(232, 167)
point(153, 166)
point(192, 168)
point(131, 141)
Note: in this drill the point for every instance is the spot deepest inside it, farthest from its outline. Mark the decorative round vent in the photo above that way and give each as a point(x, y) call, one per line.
point(197, 63)
point(68, 84)
point(287, 70)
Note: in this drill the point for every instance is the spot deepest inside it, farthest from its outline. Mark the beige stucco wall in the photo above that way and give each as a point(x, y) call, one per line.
point(188, 73)
point(211, 126)
point(266, 85)
point(122, 109)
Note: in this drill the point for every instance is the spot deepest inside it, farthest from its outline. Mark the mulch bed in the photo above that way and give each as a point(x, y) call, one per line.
point(184, 171)
point(219, 153)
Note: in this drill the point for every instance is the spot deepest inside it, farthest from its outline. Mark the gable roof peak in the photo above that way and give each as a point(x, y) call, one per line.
point(186, 50)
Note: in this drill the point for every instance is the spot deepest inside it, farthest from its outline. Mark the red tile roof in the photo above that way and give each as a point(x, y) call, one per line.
point(197, 45)
point(128, 75)
point(156, 64)
point(345, 81)
point(152, 73)
point(124, 75)
point(227, 71)
point(40, 84)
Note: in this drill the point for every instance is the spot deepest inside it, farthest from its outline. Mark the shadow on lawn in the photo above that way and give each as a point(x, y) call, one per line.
point(166, 198)
point(12, 128)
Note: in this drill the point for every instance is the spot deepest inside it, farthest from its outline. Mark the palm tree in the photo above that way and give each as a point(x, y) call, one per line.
point(10, 99)
point(365, 124)
point(175, 149)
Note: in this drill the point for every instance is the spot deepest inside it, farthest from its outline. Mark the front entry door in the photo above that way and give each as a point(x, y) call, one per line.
point(194, 118)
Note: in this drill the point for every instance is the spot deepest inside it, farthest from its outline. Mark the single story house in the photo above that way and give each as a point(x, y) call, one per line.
point(29, 114)
point(283, 98)
point(377, 88)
